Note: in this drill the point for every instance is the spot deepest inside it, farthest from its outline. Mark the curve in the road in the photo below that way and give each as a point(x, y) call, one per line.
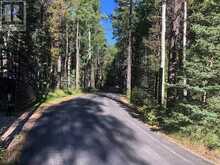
point(97, 130)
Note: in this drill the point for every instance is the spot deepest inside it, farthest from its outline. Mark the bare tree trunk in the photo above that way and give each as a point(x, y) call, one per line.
point(59, 63)
point(163, 54)
point(92, 71)
point(90, 47)
point(77, 57)
point(129, 53)
point(93, 75)
point(185, 92)
point(68, 58)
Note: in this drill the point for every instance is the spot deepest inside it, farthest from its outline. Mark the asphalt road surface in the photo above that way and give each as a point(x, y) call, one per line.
point(98, 130)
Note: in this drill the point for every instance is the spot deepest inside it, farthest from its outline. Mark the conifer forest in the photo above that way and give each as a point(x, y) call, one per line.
point(164, 61)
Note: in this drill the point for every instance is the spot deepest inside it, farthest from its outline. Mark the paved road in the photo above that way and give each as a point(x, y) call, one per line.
point(97, 130)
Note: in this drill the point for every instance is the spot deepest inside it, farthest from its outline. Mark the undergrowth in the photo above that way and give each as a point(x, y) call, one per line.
point(59, 93)
point(199, 123)
point(2, 154)
point(196, 121)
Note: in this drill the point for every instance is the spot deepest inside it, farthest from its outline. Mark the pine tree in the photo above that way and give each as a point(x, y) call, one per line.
point(203, 61)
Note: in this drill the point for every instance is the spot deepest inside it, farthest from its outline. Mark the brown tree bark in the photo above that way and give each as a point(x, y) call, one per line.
point(176, 37)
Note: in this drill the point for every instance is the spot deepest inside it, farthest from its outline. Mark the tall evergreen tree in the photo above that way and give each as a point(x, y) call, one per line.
point(203, 61)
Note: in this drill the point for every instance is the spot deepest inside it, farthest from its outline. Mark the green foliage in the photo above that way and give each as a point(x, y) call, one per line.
point(110, 65)
point(188, 120)
point(212, 141)
point(198, 115)
point(138, 96)
point(2, 154)
point(149, 114)
point(203, 62)
point(214, 104)
point(59, 93)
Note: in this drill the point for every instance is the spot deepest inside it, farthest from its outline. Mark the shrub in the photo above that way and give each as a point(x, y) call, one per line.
point(199, 122)
point(149, 114)
point(212, 141)
point(138, 96)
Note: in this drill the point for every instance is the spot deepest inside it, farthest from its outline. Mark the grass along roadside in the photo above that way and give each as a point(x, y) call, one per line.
point(10, 156)
point(194, 146)
point(59, 95)
point(150, 115)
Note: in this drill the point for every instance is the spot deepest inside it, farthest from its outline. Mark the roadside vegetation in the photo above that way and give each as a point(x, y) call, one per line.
point(175, 66)
point(197, 124)
point(54, 97)
point(2, 152)
point(58, 94)
point(166, 60)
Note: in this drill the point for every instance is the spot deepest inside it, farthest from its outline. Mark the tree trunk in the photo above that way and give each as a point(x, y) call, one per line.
point(163, 55)
point(68, 58)
point(59, 63)
point(129, 53)
point(175, 55)
point(93, 75)
point(90, 47)
point(185, 93)
point(77, 57)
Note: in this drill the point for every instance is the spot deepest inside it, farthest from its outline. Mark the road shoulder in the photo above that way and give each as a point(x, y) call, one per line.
point(17, 141)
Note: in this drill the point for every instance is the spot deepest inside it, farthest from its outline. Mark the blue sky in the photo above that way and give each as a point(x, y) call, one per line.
point(107, 7)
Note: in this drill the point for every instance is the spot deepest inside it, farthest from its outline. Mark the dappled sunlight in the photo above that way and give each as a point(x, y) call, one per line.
point(79, 132)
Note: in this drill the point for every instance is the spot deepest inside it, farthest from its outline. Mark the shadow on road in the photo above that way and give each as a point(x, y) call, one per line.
point(131, 109)
point(80, 132)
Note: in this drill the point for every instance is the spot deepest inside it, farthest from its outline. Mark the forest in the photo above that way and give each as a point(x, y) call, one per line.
point(168, 63)
point(166, 60)
point(63, 46)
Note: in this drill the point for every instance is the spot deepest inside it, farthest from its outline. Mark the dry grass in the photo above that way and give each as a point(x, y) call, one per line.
point(196, 148)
